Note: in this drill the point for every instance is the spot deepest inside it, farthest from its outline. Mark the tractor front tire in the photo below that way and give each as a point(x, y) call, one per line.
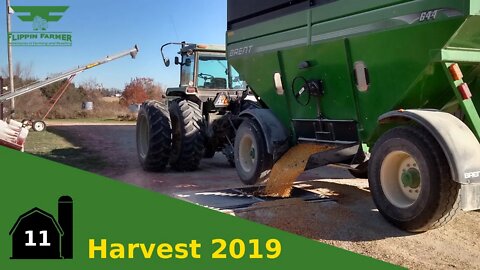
point(252, 160)
point(154, 136)
point(410, 180)
point(188, 140)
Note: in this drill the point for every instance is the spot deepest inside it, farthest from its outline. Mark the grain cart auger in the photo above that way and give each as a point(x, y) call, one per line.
point(14, 133)
point(196, 119)
point(399, 77)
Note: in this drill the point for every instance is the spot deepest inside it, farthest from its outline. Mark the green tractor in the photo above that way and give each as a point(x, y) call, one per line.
point(196, 119)
point(397, 78)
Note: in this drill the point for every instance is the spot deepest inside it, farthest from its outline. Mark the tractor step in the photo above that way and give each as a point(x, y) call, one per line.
point(326, 131)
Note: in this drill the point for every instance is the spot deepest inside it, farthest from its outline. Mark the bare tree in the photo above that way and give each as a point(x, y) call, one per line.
point(91, 85)
point(20, 70)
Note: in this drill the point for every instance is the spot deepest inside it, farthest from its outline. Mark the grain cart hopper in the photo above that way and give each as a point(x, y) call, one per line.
point(199, 117)
point(400, 77)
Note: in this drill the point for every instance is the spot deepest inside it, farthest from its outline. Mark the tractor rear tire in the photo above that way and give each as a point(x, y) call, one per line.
point(410, 180)
point(154, 136)
point(252, 160)
point(188, 140)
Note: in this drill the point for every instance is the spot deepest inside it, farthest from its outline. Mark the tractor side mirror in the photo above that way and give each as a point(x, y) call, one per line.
point(188, 62)
point(177, 61)
point(166, 61)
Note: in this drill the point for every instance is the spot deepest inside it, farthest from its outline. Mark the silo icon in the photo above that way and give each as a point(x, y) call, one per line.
point(65, 220)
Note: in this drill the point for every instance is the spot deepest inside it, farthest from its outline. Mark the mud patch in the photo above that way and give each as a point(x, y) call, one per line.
point(289, 167)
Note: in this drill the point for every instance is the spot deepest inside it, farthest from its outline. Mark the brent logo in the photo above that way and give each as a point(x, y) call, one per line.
point(471, 175)
point(38, 235)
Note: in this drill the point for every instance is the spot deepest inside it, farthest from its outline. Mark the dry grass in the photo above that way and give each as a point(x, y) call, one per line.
point(34, 106)
point(53, 145)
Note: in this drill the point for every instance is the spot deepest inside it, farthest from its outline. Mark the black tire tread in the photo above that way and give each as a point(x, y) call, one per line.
point(158, 119)
point(447, 204)
point(265, 160)
point(449, 201)
point(192, 141)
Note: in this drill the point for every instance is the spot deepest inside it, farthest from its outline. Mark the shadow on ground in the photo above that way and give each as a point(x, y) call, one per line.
point(352, 216)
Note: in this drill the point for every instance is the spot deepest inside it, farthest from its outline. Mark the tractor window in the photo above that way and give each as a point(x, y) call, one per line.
point(237, 83)
point(213, 73)
point(186, 76)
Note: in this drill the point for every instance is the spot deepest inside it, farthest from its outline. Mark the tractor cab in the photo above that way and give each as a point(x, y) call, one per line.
point(199, 117)
point(204, 72)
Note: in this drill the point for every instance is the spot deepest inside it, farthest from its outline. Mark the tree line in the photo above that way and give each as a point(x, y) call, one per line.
point(108, 102)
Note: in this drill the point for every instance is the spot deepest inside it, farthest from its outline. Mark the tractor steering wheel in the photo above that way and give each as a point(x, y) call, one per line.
point(205, 76)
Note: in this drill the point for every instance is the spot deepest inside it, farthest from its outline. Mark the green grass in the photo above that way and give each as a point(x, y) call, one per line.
point(56, 148)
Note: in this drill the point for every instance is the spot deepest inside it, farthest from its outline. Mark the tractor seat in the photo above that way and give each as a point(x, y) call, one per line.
point(218, 83)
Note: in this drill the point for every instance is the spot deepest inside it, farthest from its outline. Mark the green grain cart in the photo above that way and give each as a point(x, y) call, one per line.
point(398, 77)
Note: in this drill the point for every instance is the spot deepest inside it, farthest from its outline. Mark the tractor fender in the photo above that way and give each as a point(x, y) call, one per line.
point(275, 134)
point(459, 144)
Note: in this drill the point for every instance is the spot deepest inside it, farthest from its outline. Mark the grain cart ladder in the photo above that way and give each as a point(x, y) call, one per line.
point(13, 134)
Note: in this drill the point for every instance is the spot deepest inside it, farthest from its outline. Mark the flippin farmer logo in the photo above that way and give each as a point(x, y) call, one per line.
point(40, 18)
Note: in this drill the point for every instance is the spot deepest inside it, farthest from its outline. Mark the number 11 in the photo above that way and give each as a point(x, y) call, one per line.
point(30, 242)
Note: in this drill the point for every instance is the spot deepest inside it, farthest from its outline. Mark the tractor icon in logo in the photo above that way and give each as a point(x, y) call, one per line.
point(39, 24)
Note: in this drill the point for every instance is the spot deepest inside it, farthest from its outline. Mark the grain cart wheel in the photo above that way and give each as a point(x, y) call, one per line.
point(410, 180)
point(154, 136)
point(188, 140)
point(251, 157)
point(39, 126)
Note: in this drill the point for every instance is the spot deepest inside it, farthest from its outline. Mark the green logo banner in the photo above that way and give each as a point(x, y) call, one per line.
point(40, 17)
point(58, 217)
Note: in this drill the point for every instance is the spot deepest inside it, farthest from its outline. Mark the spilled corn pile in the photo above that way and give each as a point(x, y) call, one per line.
point(289, 167)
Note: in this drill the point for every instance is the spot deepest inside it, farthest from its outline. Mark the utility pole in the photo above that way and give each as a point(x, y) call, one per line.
point(10, 63)
point(1, 103)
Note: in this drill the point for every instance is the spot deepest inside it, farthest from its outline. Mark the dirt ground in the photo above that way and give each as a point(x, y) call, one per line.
point(351, 222)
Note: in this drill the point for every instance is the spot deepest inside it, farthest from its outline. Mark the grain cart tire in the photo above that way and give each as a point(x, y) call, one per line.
point(410, 180)
point(154, 136)
point(251, 156)
point(188, 140)
point(39, 126)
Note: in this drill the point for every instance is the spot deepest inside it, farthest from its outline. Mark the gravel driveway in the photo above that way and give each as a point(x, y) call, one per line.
point(351, 222)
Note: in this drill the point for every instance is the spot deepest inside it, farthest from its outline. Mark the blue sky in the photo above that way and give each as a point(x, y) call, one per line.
point(105, 27)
